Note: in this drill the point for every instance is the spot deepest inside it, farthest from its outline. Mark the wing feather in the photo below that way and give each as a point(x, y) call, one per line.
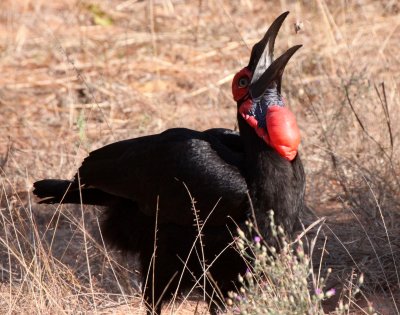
point(169, 170)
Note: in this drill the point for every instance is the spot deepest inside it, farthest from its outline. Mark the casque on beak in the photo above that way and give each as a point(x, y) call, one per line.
point(266, 71)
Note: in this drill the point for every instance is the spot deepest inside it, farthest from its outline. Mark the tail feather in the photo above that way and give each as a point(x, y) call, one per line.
point(52, 191)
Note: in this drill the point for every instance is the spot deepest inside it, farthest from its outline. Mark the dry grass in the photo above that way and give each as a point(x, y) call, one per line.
point(76, 75)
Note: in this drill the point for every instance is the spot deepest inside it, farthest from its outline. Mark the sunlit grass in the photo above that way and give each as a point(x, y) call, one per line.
point(77, 75)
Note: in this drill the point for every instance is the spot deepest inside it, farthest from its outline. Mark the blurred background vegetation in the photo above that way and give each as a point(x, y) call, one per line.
point(75, 75)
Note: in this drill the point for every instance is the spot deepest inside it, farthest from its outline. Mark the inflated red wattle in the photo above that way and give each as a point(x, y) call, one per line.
point(283, 132)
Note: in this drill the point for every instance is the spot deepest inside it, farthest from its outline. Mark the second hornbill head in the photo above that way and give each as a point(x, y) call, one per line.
point(257, 91)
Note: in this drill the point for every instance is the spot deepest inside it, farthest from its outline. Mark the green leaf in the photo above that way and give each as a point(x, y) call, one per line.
point(102, 20)
point(100, 17)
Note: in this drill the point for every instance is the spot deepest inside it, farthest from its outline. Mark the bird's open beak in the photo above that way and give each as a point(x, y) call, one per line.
point(266, 71)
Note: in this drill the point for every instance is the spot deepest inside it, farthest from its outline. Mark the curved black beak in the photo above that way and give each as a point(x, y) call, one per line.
point(273, 74)
point(262, 53)
point(265, 70)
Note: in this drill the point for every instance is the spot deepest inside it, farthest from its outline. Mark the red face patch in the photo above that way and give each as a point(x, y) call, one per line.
point(240, 84)
point(280, 129)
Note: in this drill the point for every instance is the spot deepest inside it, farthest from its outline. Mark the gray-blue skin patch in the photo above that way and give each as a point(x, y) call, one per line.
point(259, 106)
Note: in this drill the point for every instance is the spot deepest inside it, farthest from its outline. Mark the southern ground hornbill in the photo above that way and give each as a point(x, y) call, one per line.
point(151, 182)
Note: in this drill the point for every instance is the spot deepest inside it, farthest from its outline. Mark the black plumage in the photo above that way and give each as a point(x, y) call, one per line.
point(161, 177)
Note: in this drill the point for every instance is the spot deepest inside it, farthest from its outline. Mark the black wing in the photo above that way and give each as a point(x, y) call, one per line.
point(165, 171)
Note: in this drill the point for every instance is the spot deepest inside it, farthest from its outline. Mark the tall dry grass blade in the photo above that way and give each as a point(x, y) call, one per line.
point(151, 268)
point(384, 103)
point(106, 254)
point(389, 242)
point(86, 245)
point(199, 227)
point(378, 144)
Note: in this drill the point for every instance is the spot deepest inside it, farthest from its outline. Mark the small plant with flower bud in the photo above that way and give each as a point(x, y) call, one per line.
point(279, 280)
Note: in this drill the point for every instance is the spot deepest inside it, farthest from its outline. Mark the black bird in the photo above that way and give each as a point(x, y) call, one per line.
point(156, 181)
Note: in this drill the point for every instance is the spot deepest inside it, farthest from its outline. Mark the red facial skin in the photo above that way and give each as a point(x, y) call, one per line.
point(237, 91)
point(282, 132)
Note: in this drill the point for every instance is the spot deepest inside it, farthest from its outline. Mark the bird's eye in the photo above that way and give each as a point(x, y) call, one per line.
point(243, 82)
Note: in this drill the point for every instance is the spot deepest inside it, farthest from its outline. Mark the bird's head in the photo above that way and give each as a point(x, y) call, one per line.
point(257, 91)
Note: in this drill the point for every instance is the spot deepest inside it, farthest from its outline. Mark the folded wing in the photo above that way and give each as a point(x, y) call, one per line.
point(169, 171)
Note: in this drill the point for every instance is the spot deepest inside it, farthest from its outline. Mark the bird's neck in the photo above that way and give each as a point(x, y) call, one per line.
point(274, 182)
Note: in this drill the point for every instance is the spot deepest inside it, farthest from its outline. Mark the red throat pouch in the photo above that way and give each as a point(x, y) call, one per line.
point(283, 132)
